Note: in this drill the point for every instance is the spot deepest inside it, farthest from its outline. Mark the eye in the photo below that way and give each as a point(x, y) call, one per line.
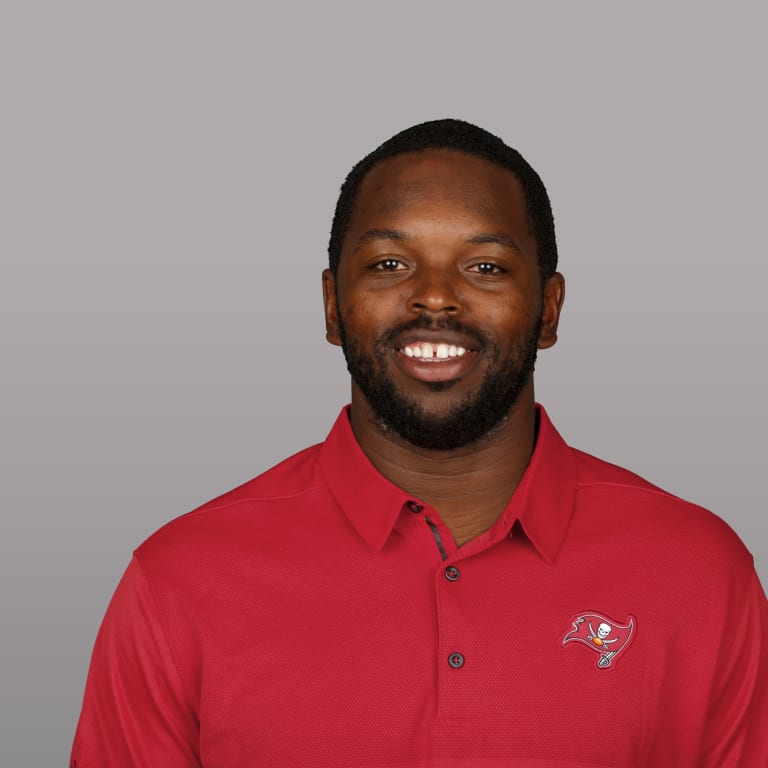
point(487, 268)
point(389, 265)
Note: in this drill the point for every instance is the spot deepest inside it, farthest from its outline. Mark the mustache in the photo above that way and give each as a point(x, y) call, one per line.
point(424, 322)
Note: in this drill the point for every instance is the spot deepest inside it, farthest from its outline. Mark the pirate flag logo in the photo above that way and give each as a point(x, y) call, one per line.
point(604, 636)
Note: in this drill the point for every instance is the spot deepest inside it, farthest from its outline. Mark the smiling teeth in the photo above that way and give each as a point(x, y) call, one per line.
point(428, 351)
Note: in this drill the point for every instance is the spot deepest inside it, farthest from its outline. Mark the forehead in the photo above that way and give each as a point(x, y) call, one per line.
point(442, 178)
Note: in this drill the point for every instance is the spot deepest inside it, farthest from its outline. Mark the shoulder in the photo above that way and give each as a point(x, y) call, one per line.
point(658, 520)
point(248, 510)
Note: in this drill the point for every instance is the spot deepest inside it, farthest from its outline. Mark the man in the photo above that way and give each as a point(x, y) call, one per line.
point(443, 582)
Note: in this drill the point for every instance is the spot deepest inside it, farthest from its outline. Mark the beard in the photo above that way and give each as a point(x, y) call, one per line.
point(468, 420)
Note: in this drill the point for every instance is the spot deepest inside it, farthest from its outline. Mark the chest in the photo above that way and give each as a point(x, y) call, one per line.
point(346, 661)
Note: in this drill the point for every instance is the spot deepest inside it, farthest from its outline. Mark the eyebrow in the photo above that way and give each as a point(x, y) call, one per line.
point(381, 234)
point(505, 240)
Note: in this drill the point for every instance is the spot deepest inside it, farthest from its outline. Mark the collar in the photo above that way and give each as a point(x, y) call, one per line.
point(542, 502)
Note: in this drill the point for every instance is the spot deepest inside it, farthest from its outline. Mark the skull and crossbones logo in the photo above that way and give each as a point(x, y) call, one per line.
point(599, 638)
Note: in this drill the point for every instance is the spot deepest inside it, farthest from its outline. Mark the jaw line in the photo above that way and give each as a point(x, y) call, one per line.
point(480, 412)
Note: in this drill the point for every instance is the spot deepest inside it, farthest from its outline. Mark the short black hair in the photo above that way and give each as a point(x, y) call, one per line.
point(471, 140)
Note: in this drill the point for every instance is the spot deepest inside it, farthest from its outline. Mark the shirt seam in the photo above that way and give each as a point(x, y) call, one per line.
point(224, 505)
point(750, 581)
point(638, 488)
point(161, 625)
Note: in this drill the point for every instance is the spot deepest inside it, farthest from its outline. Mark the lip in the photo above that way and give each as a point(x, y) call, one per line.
point(447, 369)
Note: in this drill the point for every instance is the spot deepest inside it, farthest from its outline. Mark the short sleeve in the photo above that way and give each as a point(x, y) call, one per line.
point(136, 711)
point(737, 723)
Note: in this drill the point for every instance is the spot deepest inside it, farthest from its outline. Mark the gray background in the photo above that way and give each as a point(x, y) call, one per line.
point(168, 173)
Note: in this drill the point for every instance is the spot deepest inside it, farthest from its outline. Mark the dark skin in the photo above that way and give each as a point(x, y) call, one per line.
point(440, 233)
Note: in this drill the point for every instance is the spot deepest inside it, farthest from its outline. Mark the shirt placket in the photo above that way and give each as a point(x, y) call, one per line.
point(459, 665)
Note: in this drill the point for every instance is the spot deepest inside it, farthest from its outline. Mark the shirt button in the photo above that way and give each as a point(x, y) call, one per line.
point(456, 660)
point(414, 506)
point(452, 573)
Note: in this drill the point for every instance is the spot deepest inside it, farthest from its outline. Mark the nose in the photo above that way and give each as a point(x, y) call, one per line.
point(433, 290)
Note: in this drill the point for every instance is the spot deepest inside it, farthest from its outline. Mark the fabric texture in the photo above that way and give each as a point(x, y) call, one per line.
point(309, 618)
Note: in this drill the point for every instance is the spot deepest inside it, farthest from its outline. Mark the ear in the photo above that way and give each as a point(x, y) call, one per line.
point(554, 295)
point(331, 308)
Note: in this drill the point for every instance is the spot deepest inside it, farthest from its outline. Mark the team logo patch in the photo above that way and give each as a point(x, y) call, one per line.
point(604, 636)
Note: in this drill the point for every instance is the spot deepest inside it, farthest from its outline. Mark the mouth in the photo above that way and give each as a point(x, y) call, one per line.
point(435, 360)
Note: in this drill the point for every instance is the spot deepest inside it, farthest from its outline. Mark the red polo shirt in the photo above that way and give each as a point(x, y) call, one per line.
point(320, 616)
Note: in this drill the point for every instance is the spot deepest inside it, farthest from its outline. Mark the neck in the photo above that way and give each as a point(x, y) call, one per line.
point(470, 486)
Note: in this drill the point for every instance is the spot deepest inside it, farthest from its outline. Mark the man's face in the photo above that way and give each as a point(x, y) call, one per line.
point(438, 302)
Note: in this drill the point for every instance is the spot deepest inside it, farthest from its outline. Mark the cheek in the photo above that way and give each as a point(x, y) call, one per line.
point(356, 321)
point(371, 312)
point(508, 317)
point(362, 314)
